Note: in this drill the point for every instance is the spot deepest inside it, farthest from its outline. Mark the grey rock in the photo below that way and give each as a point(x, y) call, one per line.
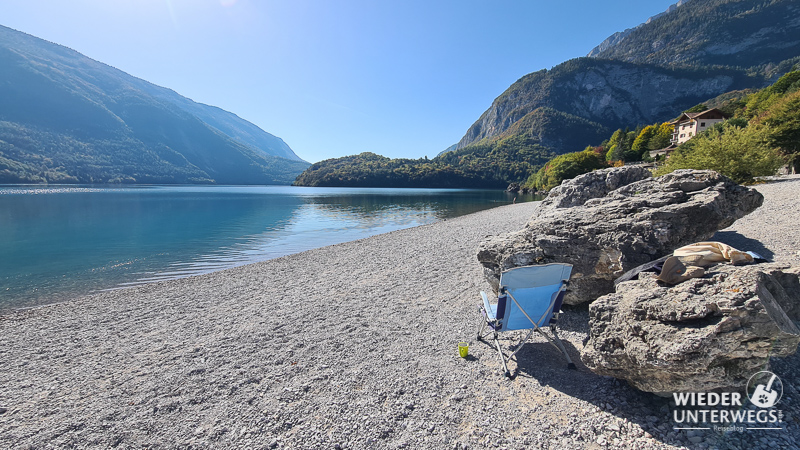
point(704, 334)
point(610, 221)
point(597, 184)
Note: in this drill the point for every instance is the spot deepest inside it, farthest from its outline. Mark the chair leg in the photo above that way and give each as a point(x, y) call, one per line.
point(502, 358)
point(570, 364)
point(555, 341)
point(480, 330)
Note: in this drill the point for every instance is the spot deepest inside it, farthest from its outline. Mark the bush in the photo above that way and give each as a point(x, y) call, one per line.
point(738, 153)
point(564, 167)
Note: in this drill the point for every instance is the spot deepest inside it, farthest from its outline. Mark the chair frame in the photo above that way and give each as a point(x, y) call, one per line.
point(495, 325)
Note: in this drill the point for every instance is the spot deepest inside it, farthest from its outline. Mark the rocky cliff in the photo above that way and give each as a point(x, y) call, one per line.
point(619, 36)
point(743, 33)
point(609, 93)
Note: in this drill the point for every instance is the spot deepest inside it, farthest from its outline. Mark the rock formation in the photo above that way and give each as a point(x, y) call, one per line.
point(609, 221)
point(705, 334)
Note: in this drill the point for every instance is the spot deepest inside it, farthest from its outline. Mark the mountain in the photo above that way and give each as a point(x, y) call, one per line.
point(617, 37)
point(732, 33)
point(448, 149)
point(602, 94)
point(696, 50)
point(67, 118)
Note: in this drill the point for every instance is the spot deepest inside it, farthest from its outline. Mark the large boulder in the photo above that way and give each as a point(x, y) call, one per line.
point(702, 335)
point(610, 221)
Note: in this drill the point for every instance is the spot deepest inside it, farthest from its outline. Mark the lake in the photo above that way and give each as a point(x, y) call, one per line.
point(57, 242)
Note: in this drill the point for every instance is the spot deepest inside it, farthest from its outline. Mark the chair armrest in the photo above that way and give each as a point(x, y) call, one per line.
point(487, 307)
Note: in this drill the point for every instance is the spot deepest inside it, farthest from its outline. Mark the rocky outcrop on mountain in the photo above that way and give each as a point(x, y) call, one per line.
point(610, 221)
point(704, 334)
point(712, 32)
point(607, 93)
point(617, 37)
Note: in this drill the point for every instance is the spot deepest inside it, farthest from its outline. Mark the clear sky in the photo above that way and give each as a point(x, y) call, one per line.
point(335, 77)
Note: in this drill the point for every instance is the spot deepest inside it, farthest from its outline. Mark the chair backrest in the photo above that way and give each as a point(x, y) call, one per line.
point(537, 289)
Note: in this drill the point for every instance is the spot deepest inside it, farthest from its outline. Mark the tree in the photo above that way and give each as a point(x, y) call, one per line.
point(662, 136)
point(642, 141)
point(564, 167)
point(784, 121)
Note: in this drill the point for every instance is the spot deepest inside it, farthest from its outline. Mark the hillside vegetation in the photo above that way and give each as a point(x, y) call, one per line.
point(762, 134)
point(488, 165)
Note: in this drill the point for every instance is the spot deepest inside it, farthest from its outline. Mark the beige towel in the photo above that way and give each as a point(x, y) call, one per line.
point(708, 253)
point(675, 272)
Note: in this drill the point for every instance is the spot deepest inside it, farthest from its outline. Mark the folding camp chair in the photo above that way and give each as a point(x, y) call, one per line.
point(529, 297)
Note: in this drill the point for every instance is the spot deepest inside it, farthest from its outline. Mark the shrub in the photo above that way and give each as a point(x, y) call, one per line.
point(564, 167)
point(738, 153)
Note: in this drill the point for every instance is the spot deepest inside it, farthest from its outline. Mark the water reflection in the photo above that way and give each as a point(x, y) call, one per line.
point(59, 242)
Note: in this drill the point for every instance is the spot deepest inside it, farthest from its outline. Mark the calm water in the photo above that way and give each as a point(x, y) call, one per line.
point(58, 242)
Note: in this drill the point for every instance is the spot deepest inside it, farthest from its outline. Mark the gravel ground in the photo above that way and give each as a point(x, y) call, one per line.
point(347, 346)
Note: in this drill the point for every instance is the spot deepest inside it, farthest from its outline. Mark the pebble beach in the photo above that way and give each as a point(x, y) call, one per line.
point(348, 346)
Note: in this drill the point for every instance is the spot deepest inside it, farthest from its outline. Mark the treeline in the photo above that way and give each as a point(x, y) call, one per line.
point(623, 146)
point(488, 165)
point(762, 135)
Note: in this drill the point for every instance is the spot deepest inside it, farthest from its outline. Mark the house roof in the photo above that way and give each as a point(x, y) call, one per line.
point(663, 151)
point(699, 115)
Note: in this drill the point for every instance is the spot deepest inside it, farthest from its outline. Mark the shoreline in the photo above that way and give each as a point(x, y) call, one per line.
point(352, 344)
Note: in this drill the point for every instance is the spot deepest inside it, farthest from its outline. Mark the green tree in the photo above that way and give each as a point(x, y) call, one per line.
point(661, 137)
point(642, 141)
point(784, 121)
point(564, 167)
point(738, 153)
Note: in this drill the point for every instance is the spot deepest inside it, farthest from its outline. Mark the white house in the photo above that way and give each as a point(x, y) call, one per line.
point(689, 124)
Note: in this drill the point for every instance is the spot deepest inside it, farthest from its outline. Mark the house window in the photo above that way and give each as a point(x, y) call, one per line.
point(702, 124)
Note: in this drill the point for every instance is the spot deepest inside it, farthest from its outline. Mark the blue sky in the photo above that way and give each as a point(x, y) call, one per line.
point(335, 77)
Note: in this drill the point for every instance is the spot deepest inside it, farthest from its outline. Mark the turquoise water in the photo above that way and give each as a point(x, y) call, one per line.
point(59, 242)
